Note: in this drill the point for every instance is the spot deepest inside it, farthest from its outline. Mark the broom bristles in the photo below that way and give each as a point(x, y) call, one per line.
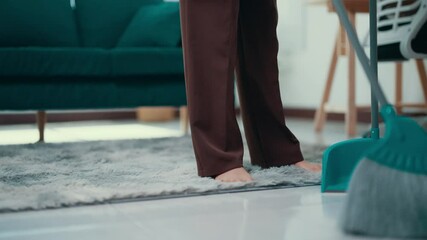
point(385, 202)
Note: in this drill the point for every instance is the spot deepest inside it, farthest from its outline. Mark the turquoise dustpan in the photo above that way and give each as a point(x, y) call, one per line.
point(340, 159)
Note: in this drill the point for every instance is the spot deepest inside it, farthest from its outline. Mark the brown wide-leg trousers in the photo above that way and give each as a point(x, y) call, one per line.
point(220, 37)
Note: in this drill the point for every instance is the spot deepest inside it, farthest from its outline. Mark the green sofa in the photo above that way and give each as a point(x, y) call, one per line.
point(90, 54)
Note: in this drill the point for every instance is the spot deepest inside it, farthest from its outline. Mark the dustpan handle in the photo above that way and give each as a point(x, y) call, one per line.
point(375, 130)
point(363, 59)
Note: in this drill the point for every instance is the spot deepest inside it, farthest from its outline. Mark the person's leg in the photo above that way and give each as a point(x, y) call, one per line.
point(209, 32)
point(270, 141)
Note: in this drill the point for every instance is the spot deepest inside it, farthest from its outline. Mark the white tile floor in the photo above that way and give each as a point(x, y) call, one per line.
point(295, 213)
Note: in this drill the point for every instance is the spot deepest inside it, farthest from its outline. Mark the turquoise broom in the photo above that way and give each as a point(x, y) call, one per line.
point(387, 194)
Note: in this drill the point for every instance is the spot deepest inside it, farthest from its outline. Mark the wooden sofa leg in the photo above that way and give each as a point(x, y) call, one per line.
point(41, 122)
point(184, 119)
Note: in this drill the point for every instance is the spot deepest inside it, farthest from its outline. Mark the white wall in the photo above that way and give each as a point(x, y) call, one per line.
point(306, 36)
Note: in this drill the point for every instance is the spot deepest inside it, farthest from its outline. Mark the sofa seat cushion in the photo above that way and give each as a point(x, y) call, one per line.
point(141, 61)
point(25, 23)
point(50, 62)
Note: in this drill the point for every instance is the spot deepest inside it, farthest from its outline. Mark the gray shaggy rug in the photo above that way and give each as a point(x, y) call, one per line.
point(43, 176)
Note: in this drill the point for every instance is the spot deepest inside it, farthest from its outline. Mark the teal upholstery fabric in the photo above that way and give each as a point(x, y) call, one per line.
point(54, 62)
point(91, 93)
point(102, 22)
point(153, 25)
point(86, 62)
point(143, 61)
point(37, 23)
point(55, 58)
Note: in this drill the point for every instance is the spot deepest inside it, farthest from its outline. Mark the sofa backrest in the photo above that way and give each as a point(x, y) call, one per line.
point(37, 23)
point(89, 23)
point(154, 25)
point(102, 22)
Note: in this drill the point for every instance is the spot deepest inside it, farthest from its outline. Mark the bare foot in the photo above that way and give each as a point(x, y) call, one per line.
point(235, 175)
point(312, 167)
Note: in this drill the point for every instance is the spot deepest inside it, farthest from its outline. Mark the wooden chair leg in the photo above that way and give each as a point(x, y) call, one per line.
point(351, 113)
point(343, 44)
point(423, 76)
point(184, 119)
point(41, 123)
point(399, 88)
point(321, 114)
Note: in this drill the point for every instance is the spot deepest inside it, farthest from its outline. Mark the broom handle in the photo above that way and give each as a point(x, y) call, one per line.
point(375, 130)
point(363, 59)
